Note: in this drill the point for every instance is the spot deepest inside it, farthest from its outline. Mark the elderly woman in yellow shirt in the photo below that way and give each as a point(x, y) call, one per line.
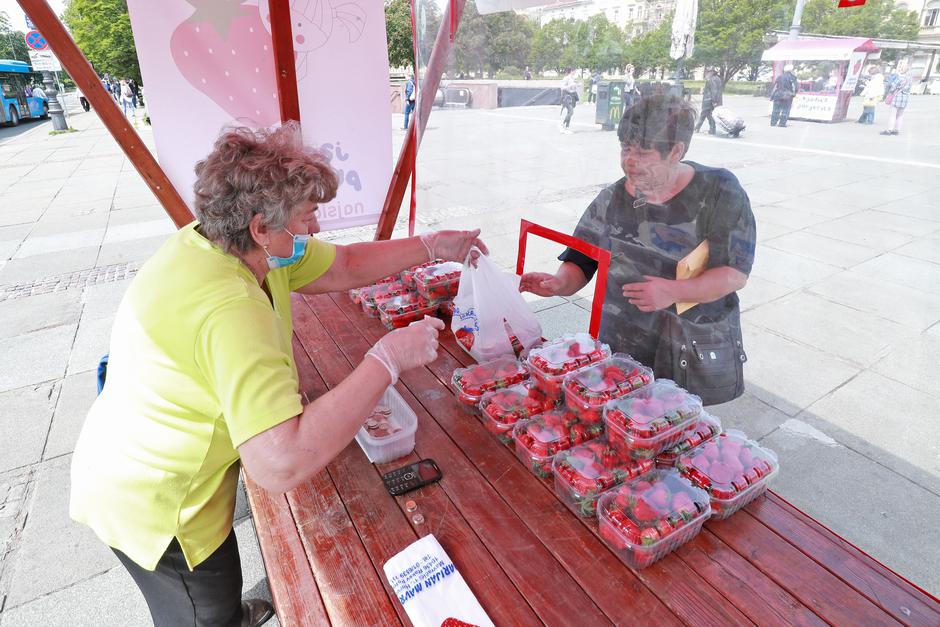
point(201, 375)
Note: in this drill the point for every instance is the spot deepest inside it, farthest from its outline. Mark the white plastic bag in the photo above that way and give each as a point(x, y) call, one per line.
point(430, 587)
point(489, 307)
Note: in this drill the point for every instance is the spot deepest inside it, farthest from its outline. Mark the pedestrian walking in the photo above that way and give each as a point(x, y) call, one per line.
point(569, 98)
point(630, 92)
point(527, 75)
point(782, 94)
point(135, 90)
point(595, 79)
point(871, 95)
point(898, 95)
point(711, 98)
point(127, 99)
point(409, 98)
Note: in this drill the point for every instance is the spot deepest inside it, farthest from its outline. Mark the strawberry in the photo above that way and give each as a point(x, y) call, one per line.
point(659, 497)
point(644, 512)
point(649, 536)
point(224, 51)
point(453, 622)
point(611, 535)
point(682, 503)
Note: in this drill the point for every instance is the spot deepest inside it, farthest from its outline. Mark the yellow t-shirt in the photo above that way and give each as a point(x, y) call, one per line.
point(199, 363)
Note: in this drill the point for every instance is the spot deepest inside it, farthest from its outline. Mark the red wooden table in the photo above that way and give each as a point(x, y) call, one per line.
point(525, 556)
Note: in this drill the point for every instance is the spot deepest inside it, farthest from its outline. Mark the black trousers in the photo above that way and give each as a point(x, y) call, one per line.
point(781, 111)
point(706, 115)
point(209, 596)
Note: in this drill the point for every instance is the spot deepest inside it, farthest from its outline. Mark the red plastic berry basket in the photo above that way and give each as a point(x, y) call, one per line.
point(550, 363)
point(408, 276)
point(588, 390)
point(646, 518)
point(733, 469)
point(438, 281)
point(539, 439)
point(502, 409)
point(471, 383)
point(583, 472)
point(705, 428)
point(646, 422)
point(400, 311)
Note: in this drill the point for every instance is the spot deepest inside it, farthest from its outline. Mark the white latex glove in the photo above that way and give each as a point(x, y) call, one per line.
point(453, 245)
point(409, 347)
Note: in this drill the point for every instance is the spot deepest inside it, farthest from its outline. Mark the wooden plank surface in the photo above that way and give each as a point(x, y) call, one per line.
point(524, 555)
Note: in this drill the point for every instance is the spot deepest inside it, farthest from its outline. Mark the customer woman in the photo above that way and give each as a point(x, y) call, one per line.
point(202, 379)
point(898, 95)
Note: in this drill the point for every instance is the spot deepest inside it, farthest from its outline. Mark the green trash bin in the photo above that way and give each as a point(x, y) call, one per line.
point(609, 104)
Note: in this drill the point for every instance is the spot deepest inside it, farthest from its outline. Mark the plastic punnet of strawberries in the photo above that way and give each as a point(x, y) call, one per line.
point(438, 281)
point(372, 295)
point(472, 382)
point(572, 351)
point(402, 310)
point(502, 409)
point(703, 429)
point(539, 439)
point(646, 422)
point(733, 469)
point(588, 390)
point(583, 472)
point(648, 517)
point(408, 275)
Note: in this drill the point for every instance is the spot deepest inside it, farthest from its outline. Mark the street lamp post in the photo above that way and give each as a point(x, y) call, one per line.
point(55, 109)
point(797, 17)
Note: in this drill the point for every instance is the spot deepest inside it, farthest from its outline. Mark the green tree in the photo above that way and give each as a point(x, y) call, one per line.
point(398, 28)
point(606, 45)
point(471, 41)
point(509, 40)
point(12, 44)
point(547, 46)
point(650, 51)
point(876, 18)
point(102, 29)
point(730, 33)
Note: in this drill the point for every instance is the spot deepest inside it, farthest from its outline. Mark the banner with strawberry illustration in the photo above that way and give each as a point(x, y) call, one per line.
point(209, 63)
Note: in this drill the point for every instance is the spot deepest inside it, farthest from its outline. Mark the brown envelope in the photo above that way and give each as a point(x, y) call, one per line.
point(690, 267)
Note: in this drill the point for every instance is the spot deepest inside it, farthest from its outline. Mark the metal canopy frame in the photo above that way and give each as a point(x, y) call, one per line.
point(81, 71)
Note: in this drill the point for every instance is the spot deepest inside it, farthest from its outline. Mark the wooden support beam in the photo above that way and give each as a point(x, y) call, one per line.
point(75, 63)
point(428, 88)
point(283, 39)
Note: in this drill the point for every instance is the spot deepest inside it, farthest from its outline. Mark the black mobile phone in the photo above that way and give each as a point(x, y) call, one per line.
point(411, 477)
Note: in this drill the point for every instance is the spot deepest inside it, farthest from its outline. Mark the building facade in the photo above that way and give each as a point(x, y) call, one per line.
point(634, 17)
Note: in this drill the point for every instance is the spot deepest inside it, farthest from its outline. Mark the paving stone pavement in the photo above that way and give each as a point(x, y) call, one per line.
point(841, 315)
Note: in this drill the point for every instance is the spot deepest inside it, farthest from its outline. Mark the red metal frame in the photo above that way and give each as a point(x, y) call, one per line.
point(599, 254)
point(283, 41)
point(78, 67)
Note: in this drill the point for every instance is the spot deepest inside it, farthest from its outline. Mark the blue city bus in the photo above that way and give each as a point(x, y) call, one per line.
point(15, 78)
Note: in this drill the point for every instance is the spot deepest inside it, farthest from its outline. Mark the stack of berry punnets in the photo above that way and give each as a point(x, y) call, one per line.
point(648, 517)
point(550, 363)
point(539, 439)
point(400, 311)
point(372, 295)
point(646, 422)
point(502, 409)
point(733, 469)
point(472, 382)
point(588, 390)
point(355, 294)
point(703, 429)
point(583, 472)
point(439, 281)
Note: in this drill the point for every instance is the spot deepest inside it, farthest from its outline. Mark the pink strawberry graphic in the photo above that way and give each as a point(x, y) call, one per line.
point(225, 52)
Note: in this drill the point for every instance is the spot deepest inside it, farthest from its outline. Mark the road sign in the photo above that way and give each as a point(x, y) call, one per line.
point(36, 41)
point(44, 61)
point(29, 23)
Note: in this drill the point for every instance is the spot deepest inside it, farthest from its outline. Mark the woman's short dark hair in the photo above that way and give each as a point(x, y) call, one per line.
point(657, 121)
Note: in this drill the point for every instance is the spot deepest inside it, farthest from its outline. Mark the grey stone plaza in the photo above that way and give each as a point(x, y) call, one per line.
point(841, 315)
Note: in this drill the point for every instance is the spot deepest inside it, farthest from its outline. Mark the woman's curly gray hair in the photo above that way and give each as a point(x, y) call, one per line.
point(251, 171)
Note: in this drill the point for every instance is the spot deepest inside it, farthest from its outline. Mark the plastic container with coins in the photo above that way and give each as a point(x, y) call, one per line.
point(389, 432)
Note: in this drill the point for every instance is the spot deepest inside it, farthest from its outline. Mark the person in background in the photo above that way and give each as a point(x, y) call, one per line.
point(630, 92)
point(127, 99)
point(527, 74)
point(711, 98)
point(871, 95)
point(410, 96)
point(663, 209)
point(135, 90)
point(201, 377)
point(782, 94)
point(595, 79)
point(116, 90)
point(569, 99)
point(897, 99)
point(38, 92)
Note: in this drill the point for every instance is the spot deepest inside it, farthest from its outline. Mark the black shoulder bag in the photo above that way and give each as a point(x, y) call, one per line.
point(706, 357)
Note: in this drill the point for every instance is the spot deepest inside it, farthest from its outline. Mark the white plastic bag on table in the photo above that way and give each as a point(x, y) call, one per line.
point(488, 305)
point(430, 587)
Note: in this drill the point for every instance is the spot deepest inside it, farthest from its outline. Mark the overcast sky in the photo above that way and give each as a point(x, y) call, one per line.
point(15, 13)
